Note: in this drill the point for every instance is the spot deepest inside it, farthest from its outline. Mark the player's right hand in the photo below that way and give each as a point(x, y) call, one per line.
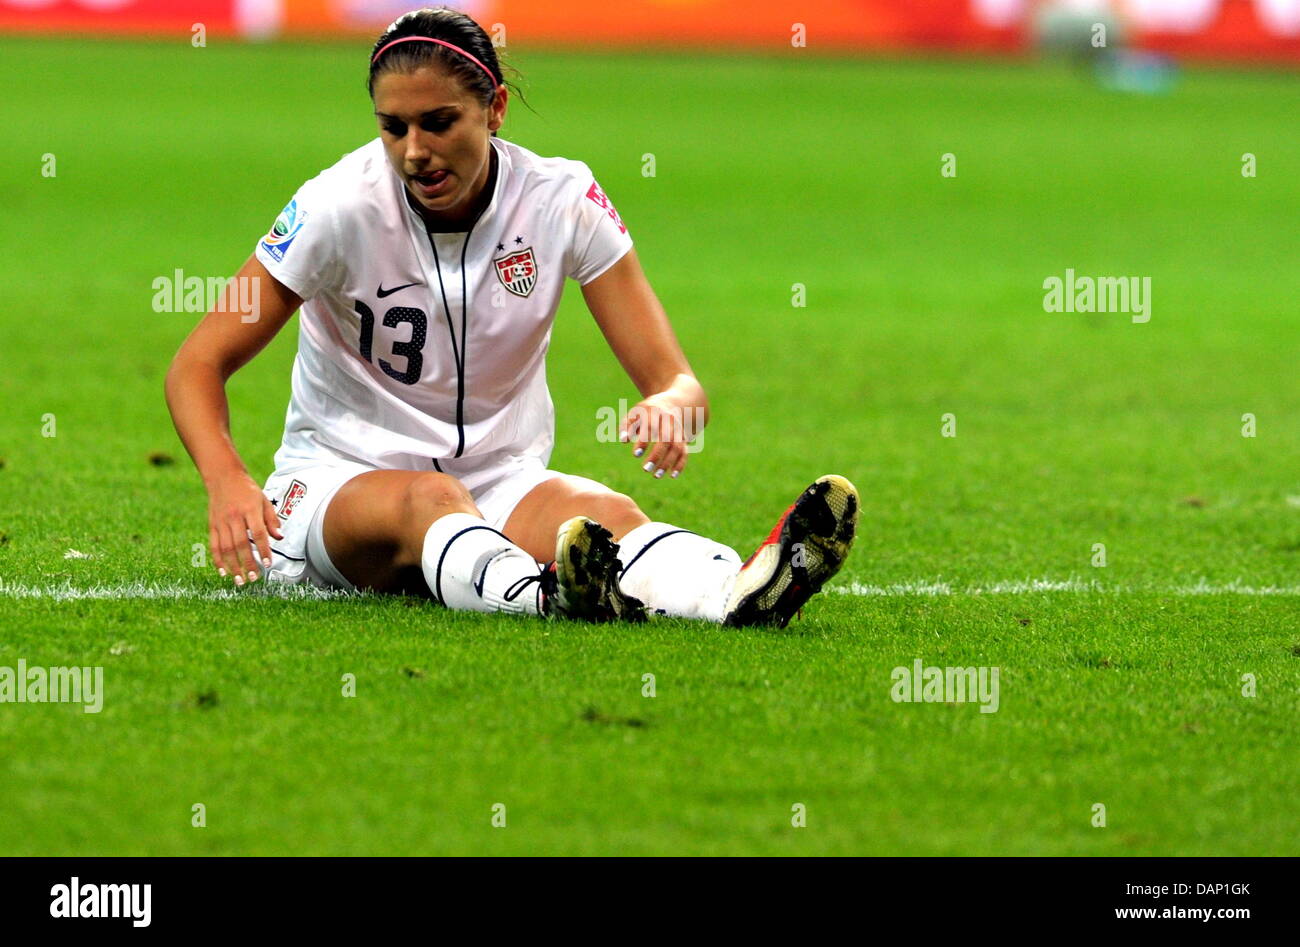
point(238, 511)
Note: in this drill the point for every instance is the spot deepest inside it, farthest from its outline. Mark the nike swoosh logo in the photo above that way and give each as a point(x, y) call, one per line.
point(482, 576)
point(388, 292)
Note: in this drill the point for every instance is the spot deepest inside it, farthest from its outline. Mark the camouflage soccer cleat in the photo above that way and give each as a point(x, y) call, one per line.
point(807, 546)
point(582, 582)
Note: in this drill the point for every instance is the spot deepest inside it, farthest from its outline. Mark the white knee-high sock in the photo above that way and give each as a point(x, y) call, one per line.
point(677, 572)
point(471, 567)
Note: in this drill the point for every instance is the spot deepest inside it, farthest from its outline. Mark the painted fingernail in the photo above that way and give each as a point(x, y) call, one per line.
point(252, 576)
point(638, 452)
point(221, 572)
point(675, 473)
point(239, 580)
point(266, 561)
point(649, 466)
point(622, 438)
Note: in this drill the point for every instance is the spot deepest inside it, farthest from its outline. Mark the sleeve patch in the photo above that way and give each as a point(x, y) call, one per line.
point(597, 197)
point(285, 228)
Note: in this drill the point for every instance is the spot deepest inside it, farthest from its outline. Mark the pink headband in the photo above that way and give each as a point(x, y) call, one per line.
point(440, 42)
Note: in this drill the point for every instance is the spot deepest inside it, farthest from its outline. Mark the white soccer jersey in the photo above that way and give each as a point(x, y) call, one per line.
point(416, 347)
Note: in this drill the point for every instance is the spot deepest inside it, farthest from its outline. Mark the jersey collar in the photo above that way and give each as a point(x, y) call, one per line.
point(503, 165)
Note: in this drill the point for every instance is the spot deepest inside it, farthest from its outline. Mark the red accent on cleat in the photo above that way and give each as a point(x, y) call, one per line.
point(772, 537)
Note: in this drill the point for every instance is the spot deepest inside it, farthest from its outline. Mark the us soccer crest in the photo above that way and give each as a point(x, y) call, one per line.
point(297, 490)
point(518, 271)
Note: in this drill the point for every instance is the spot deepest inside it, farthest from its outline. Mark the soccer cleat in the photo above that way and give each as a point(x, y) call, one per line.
point(583, 580)
point(807, 546)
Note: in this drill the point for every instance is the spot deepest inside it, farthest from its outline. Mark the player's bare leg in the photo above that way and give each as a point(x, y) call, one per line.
point(376, 524)
point(538, 515)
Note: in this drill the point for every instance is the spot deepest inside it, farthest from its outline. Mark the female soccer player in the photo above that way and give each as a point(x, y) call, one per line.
point(428, 265)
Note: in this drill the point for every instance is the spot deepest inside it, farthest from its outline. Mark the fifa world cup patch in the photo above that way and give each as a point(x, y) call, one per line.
point(283, 231)
point(297, 490)
point(517, 271)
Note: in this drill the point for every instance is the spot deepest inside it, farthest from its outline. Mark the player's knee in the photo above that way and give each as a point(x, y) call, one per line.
point(615, 511)
point(433, 495)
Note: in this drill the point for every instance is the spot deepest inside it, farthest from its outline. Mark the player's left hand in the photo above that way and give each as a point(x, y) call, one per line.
point(665, 426)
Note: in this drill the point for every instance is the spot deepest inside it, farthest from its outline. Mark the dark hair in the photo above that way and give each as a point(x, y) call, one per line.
point(453, 27)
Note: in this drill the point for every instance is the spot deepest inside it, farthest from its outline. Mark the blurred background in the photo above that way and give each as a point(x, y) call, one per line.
point(1209, 29)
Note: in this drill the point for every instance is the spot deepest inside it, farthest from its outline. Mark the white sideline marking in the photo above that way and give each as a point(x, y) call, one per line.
point(939, 588)
point(67, 592)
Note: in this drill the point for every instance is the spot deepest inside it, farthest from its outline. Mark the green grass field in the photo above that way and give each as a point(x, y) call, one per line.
point(1120, 685)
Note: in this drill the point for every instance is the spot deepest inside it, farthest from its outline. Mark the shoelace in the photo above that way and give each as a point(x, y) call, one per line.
point(544, 578)
point(549, 586)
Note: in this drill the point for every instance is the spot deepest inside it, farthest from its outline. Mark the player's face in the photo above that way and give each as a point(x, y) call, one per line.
point(437, 137)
